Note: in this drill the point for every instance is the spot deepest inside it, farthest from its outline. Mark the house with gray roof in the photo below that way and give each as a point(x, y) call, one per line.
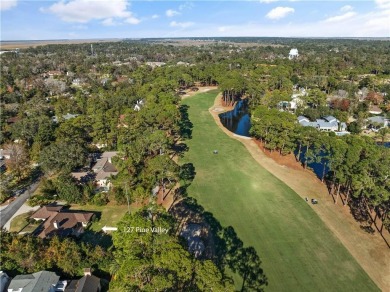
point(104, 169)
point(4, 280)
point(43, 281)
point(326, 124)
point(378, 122)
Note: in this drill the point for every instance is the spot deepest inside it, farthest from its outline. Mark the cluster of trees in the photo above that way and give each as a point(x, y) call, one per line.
point(353, 166)
point(147, 260)
point(357, 171)
point(67, 257)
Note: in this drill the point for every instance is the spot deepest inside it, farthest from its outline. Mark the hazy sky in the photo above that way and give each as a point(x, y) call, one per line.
point(72, 19)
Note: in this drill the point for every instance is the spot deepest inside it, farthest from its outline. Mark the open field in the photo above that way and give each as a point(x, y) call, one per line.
point(11, 45)
point(298, 251)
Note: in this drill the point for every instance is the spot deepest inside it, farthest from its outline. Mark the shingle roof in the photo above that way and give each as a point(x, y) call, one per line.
point(109, 154)
point(88, 284)
point(37, 282)
point(66, 221)
point(46, 211)
point(103, 168)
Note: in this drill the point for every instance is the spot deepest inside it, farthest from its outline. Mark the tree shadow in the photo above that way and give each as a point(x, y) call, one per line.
point(185, 123)
point(180, 149)
point(223, 246)
point(359, 212)
point(94, 238)
point(187, 173)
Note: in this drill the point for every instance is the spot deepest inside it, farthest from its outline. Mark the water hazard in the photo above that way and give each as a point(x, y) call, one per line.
point(237, 120)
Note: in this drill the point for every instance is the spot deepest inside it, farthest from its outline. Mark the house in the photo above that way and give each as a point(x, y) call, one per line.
point(293, 54)
point(140, 103)
point(61, 222)
point(5, 154)
point(326, 124)
point(181, 63)
point(100, 145)
point(66, 117)
point(104, 169)
point(374, 110)
point(77, 82)
point(155, 64)
point(82, 177)
point(54, 73)
point(290, 105)
point(4, 281)
point(379, 122)
point(44, 281)
point(88, 283)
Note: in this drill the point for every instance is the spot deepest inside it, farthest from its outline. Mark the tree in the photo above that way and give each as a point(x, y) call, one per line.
point(18, 162)
point(67, 189)
point(382, 134)
point(63, 157)
point(148, 261)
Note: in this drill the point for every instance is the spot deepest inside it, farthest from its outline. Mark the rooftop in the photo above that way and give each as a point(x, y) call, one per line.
point(36, 282)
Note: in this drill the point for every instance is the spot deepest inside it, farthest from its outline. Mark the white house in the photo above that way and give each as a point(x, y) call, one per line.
point(376, 123)
point(293, 54)
point(326, 124)
point(140, 103)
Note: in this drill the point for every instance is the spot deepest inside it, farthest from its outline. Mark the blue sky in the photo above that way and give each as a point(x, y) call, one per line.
point(80, 19)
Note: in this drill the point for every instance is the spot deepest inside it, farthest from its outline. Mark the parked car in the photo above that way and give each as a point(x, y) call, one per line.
point(314, 201)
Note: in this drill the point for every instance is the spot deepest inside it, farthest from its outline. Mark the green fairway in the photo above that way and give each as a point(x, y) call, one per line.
point(298, 252)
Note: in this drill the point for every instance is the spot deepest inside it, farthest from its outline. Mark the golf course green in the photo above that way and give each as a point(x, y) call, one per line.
point(298, 252)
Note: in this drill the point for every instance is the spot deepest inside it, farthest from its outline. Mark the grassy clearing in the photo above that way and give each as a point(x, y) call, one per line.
point(19, 222)
point(298, 251)
point(109, 214)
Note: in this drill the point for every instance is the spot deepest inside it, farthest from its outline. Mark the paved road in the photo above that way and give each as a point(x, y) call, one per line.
point(11, 209)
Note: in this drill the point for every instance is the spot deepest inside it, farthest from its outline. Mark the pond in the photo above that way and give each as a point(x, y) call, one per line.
point(237, 120)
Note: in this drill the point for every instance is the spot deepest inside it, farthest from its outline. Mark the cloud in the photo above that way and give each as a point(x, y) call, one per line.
point(80, 27)
point(346, 8)
point(342, 17)
point(279, 12)
point(132, 20)
point(155, 16)
point(186, 5)
point(171, 13)
point(86, 10)
point(181, 24)
point(108, 22)
point(383, 3)
point(7, 4)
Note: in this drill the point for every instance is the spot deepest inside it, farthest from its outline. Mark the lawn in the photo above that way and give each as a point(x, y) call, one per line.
point(298, 252)
point(19, 222)
point(109, 214)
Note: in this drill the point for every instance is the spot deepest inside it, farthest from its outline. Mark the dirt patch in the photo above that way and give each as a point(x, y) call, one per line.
point(370, 250)
point(286, 160)
point(189, 92)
